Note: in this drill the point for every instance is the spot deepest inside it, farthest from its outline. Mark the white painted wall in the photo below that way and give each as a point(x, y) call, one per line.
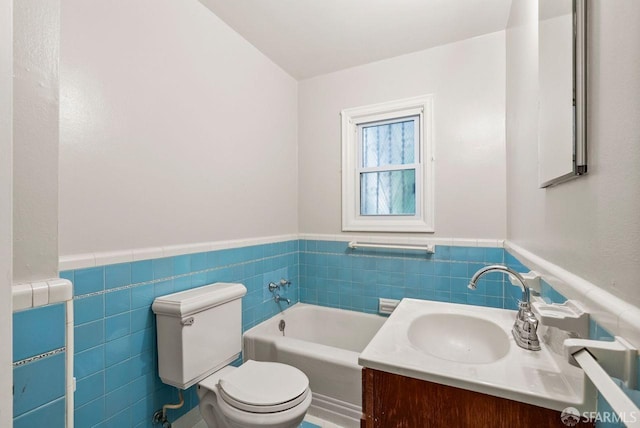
point(6, 211)
point(467, 81)
point(589, 226)
point(174, 130)
point(35, 129)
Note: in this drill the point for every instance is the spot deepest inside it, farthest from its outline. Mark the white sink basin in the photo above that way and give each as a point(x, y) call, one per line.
point(460, 338)
point(471, 347)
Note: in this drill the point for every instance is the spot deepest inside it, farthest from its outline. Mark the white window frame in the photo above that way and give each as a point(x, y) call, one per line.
point(352, 118)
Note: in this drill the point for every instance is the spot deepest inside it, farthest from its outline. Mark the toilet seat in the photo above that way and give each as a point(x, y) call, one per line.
point(261, 387)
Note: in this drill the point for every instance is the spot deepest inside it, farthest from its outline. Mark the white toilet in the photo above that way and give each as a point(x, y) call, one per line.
point(199, 334)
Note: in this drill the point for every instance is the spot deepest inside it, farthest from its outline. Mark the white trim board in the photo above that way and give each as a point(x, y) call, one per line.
point(617, 316)
point(86, 260)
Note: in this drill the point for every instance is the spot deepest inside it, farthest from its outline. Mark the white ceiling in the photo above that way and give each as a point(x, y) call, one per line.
point(312, 37)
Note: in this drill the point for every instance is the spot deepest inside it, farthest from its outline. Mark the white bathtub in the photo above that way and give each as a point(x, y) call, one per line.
point(324, 343)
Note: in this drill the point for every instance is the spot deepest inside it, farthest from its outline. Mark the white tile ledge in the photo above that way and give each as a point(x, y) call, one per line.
point(617, 316)
point(41, 293)
point(87, 260)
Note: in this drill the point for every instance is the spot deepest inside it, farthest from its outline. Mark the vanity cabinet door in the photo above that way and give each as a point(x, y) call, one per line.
point(393, 401)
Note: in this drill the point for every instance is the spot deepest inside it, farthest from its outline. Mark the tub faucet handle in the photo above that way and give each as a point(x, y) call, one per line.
point(284, 282)
point(273, 286)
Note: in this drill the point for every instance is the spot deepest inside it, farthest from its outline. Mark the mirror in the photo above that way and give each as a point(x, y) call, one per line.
point(562, 149)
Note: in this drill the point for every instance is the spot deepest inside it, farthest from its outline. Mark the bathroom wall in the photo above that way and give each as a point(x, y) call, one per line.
point(467, 80)
point(331, 274)
point(173, 130)
point(35, 133)
point(115, 334)
point(6, 206)
point(589, 226)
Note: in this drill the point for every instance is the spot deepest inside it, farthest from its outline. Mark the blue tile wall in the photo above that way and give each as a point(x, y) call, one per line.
point(331, 274)
point(39, 366)
point(115, 337)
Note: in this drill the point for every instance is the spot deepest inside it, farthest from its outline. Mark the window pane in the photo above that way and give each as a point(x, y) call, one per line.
point(388, 144)
point(388, 192)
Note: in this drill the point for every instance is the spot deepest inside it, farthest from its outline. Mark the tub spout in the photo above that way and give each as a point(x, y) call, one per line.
point(279, 298)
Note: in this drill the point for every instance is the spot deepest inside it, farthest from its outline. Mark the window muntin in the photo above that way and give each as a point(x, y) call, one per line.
point(387, 167)
point(388, 159)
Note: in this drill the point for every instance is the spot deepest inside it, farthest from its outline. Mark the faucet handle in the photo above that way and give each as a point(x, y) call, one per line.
point(284, 282)
point(273, 286)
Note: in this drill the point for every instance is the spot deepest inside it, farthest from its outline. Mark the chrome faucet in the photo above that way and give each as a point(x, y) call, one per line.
point(525, 328)
point(279, 298)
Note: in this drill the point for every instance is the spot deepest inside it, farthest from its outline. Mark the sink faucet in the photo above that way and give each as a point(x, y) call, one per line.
point(526, 326)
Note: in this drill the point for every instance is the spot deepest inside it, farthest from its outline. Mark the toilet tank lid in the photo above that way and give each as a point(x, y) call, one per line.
point(192, 301)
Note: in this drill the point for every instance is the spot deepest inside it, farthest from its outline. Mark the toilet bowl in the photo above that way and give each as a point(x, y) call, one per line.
point(256, 394)
point(199, 334)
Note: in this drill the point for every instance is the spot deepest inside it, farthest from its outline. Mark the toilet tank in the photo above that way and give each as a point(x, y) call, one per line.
point(199, 331)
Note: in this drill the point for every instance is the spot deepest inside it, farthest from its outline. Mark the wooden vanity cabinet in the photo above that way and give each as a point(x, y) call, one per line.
point(394, 401)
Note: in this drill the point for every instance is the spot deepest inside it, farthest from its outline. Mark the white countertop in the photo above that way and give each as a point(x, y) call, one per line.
point(541, 378)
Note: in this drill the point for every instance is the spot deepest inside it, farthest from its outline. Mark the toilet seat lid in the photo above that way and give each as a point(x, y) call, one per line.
point(260, 386)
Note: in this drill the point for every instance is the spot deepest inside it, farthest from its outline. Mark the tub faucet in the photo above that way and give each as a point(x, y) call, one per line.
point(525, 327)
point(279, 298)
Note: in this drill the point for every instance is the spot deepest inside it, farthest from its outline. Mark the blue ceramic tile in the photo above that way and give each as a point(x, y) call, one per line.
point(141, 318)
point(140, 411)
point(182, 283)
point(163, 288)
point(117, 326)
point(117, 376)
point(38, 383)
point(67, 274)
point(141, 271)
point(88, 389)
point(117, 275)
point(90, 414)
point(51, 416)
point(198, 279)
point(442, 252)
point(475, 254)
point(88, 362)
point(87, 281)
point(143, 340)
point(213, 259)
point(459, 254)
point(143, 363)
point(117, 302)
point(88, 335)
point(162, 268)
point(198, 262)
point(88, 309)
point(141, 385)
point(306, 424)
point(117, 400)
point(458, 270)
point(142, 296)
point(45, 323)
point(122, 419)
point(117, 351)
point(494, 255)
point(442, 283)
point(181, 264)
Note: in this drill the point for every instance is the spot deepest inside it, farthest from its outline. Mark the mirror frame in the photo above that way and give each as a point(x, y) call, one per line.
point(579, 96)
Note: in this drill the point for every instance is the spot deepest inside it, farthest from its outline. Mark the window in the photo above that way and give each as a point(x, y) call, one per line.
point(387, 167)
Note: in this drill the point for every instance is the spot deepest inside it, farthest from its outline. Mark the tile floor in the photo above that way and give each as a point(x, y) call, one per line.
point(309, 422)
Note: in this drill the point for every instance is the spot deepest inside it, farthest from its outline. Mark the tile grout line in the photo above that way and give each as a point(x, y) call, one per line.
point(38, 357)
